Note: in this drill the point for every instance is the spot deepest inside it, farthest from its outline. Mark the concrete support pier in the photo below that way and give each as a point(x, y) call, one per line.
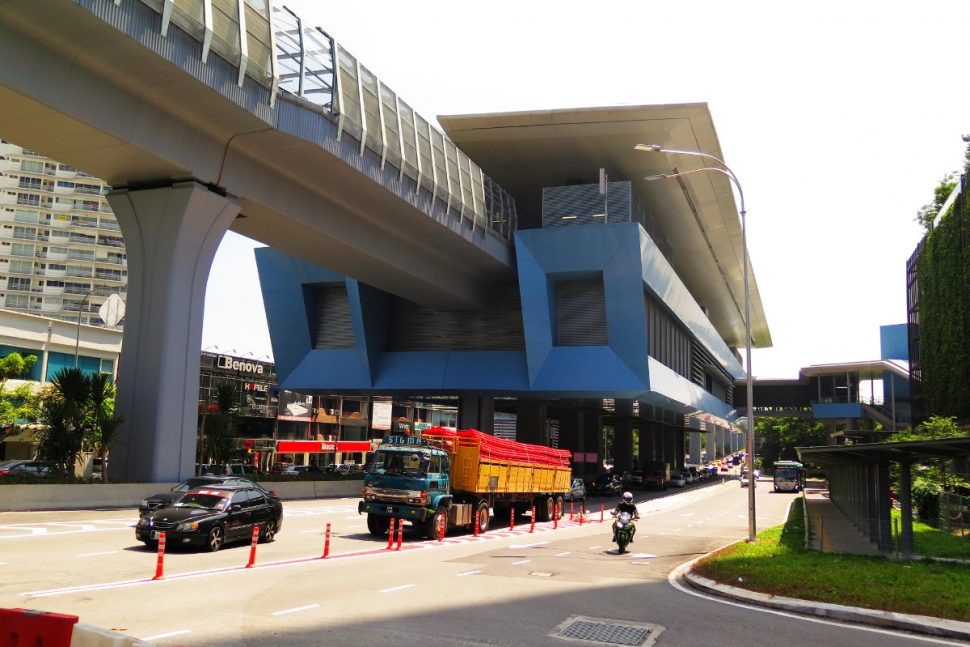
point(171, 236)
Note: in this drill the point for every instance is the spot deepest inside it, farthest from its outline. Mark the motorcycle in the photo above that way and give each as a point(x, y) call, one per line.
point(623, 529)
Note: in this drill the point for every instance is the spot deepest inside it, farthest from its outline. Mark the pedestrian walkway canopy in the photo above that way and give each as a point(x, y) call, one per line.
point(859, 483)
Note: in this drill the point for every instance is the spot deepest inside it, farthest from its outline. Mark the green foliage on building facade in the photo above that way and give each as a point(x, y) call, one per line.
point(944, 324)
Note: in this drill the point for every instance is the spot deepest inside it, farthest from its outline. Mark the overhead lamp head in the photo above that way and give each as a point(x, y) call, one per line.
point(651, 178)
point(649, 148)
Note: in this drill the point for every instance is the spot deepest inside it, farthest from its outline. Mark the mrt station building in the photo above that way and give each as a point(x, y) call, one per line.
point(623, 308)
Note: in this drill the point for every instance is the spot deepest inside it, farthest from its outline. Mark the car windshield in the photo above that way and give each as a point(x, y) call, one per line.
point(204, 501)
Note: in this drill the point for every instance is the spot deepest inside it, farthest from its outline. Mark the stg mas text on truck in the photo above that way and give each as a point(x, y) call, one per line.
point(445, 478)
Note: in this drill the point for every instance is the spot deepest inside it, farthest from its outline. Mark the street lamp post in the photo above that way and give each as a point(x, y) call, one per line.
point(77, 338)
point(725, 170)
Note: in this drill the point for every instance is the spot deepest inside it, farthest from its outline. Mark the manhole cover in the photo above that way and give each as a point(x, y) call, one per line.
point(607, 632)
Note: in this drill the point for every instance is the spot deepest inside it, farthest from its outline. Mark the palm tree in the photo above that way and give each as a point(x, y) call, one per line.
point(103, 423)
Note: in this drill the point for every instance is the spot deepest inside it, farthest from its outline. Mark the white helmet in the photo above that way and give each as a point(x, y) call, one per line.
point(628, 497)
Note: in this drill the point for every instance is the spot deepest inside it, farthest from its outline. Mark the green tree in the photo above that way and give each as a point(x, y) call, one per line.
point(931, 477)
point(16, 405)
point(926, 214)
point(778, 438)
point(221, 427)
point(15, 366)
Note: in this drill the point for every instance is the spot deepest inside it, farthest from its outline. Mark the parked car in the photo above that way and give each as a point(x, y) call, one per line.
point(297, 470)
point(576, 491)
point(633, 480)
point(689, 478)
point(232, 469)
point(156, 501)
point(607, 484)
point(678, 479)
point(211, 517)
point(24, 468)
point(696, 474)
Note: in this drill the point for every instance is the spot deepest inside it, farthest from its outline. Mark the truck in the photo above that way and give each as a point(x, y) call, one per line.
point(656, 475)
point(446, 478)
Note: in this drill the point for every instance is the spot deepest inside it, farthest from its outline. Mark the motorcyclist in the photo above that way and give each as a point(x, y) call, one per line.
point(626, 505)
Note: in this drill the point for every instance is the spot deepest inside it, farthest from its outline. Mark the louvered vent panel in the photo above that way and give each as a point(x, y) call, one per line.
point(582, 204)
point(414, 327)
point(581, 313)
point(333, 327)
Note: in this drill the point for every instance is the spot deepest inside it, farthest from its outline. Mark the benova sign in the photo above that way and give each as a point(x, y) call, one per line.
point(238, 365)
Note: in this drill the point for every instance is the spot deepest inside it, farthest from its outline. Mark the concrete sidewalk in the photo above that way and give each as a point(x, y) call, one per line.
point(829, 530)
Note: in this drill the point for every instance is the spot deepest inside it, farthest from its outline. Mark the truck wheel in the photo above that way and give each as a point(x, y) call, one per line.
point(377, 525)
point(544, 508)
point(482, 513)
point(559, 504)
point(434, 525)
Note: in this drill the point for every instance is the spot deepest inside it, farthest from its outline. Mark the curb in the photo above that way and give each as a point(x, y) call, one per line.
point(885, 619)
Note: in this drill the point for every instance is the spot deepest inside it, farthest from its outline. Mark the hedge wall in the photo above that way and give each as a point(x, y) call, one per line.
point(944, 324)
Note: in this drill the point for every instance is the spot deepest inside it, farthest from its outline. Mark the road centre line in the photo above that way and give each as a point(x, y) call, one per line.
point(105, 552)
point(170, 634)
point(562, 554)
point(475, 572)
point(397, 588)
point(295, 609)
point(521, 561)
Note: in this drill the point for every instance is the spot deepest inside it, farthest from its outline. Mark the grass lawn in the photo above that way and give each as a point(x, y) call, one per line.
point(778, 564)
point(931, 542)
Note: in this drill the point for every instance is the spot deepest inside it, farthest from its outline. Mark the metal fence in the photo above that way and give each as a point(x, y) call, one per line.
point(954, 513)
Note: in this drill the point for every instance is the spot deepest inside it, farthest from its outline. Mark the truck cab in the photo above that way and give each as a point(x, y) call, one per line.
point(406, 478)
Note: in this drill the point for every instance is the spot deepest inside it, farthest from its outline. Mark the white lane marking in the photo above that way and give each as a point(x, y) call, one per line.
point(356, 516)
point(85, 527)
point(33, 531)
point(468, 573)
point(595, 547)
point(538, 543)
point(295, 609)
point(105, 552)
point(181, 632)
point(309, 531)
point(642, 556)
point(562, 554)
point(521, 561)
point(3, 563)
point(396, 588)
point(687, 514)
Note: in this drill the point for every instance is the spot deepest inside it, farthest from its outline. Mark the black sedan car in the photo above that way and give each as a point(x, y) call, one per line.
point(156, 501)
point(210, 517)
point(607, 484)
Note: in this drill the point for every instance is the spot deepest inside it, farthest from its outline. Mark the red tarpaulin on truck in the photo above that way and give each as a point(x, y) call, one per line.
point(502, 449)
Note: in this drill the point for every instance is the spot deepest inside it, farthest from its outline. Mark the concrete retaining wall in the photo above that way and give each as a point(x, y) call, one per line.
point(127, 495)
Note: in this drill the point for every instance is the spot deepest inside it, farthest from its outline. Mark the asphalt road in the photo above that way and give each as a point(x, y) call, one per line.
point(502, 588)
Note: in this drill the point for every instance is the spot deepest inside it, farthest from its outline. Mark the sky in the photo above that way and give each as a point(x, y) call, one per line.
point(839, 119)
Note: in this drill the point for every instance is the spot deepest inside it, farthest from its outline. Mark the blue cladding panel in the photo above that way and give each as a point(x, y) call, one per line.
point(620, 369)
point(837, 410)
point(894, 342)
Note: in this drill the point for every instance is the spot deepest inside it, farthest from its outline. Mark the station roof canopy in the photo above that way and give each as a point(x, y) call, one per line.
point(526, 151)
point(871, 370)
point(905, 452)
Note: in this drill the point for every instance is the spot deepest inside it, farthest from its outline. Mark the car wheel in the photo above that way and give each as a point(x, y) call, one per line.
point(268, 532)
point(151, 544)
point(217, 537)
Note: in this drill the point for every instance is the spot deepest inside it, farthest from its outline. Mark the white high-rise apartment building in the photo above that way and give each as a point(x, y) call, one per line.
point(61, 251)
